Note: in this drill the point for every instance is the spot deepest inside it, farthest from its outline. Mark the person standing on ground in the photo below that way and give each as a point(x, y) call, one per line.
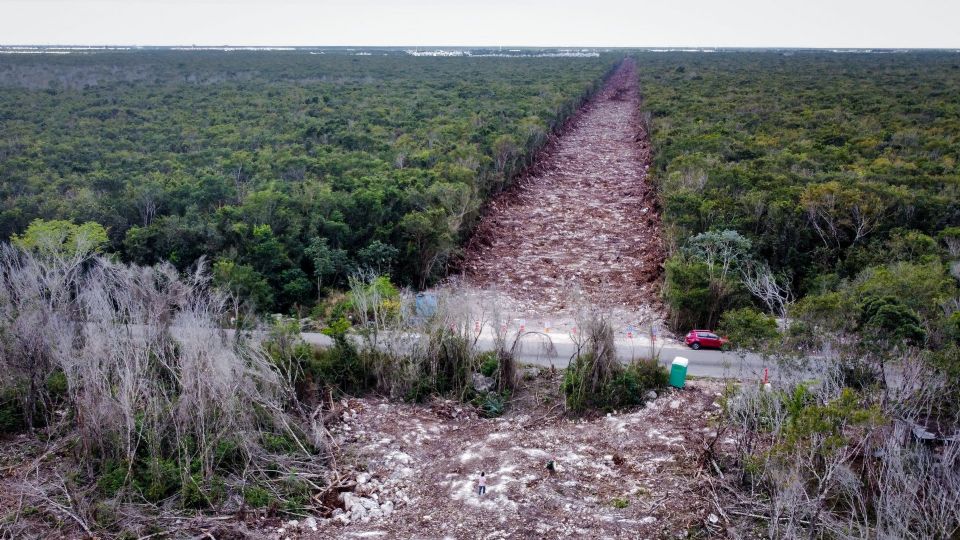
point(482, 484)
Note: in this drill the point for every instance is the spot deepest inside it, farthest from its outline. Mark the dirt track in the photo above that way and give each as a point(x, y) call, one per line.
point(584, 217)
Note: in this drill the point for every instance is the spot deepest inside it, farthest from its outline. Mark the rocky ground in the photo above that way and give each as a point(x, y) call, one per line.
point(410, 471)
point(584, 218)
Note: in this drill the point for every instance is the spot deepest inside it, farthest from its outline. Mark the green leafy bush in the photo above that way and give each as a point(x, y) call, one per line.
point(858, 374)
point(257, 496)
point(158, 479)
point(626, 387)
point(630, 387)
point(57, 386)
point(420, 390)
point(491, 404)
point(888, 321)
point(57, 238)
point(198, 494)
point(112, 478)
point(279, 444)
point(340, 367)
point(488, 363)
point(748, 328)
point(153, 478)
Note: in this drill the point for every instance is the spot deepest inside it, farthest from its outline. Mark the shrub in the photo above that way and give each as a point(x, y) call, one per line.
point(687, 291)
point(630, 387)
point(192, 495)
point(15, 417)
point(887, 320)
point(449, 361)
point(159, 479)
point(308, 369)
point(858, 374)
point(58, 238)
point(57, 386)
point(257, 496)
point(488, 363)
point(910, 245)
point(279, 444)
point(373, 299)
point(491, 404)
point(626, 387)
point(11, 412)
point(419, 391)
point(574, 384)
point(748, 328)
point(113, 477)
point(952, 327)
point(947, 363)
point(296, 494)
point(340, 367)
point(228, 455)
point(826, 312)
point(920, 287)
point(198, 493)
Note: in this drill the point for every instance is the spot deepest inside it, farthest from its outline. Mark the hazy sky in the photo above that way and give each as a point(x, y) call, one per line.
point(770, 23)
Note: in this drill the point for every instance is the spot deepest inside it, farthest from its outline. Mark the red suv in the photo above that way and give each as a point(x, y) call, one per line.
point(705, 338)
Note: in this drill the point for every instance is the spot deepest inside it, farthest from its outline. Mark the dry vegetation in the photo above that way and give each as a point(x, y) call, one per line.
point(825, 459)
point(138, 401)
point(148, 419)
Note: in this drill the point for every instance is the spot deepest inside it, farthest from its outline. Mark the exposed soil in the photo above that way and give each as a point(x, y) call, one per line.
point(404, 470)
point(629, 475)
point(584, 218)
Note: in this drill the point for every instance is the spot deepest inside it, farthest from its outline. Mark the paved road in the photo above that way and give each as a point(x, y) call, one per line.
point(702, 363)
point(534, 350)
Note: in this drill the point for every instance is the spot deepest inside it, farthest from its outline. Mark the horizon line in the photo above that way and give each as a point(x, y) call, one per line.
point(619, 47)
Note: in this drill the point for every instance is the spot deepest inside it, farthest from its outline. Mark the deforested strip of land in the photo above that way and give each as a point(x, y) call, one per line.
point(586, 218)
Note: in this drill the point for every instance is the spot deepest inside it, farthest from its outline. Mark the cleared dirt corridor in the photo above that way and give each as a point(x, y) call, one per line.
point(624, 476)
point(585, 216)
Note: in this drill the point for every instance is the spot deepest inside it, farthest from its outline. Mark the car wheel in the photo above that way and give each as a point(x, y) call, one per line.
point(695, 346)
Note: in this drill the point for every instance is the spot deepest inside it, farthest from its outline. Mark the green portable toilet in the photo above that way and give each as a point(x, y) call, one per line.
point(678, 372)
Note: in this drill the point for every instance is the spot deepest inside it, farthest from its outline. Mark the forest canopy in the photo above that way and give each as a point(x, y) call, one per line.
point(838, 173)
point(289, 169)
